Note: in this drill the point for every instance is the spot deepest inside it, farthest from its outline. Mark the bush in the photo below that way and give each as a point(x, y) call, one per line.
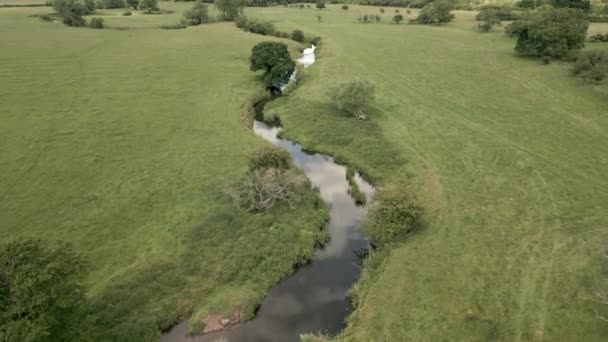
point(45, 17)
point(148, 5)
point(298, 36)
point(591, 66)
point(274, 59)
point(230, 9)
point(382, 10)
point(133, 3)
point(127, 13)
point(173, 27)
point(345, 7)
point(75, 7)
point(198, 14)
point(73, 19)
point(96, 23)
point(398, 18)
point(599, 38)
point(437, 12)
point(264, 28)
point(320, 4)
point(551, 32)
point(392, 216)
point(486, 19)
point(353, 96)
point(316, 41)
point(269, 157)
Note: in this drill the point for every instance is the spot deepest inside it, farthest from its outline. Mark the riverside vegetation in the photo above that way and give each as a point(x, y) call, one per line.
point(122, 143)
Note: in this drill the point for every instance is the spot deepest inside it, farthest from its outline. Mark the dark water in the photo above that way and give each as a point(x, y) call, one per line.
point(313, 299)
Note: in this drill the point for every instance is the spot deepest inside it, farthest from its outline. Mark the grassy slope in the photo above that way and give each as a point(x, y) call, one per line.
point(122, 142)
point(512, 156)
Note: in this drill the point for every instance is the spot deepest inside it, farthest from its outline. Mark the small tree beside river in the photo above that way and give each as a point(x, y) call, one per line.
point(353, 96)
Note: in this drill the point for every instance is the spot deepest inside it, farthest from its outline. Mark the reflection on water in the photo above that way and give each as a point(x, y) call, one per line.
point(313, 299)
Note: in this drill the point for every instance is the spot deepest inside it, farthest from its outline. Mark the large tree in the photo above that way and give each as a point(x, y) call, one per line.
point(437, 12)
point(230, 9)
point(41, 292)
point(198, 14)
point(274, 59)
point(550, 32)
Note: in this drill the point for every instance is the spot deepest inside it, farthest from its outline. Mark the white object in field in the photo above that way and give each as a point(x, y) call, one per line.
point(308, 58)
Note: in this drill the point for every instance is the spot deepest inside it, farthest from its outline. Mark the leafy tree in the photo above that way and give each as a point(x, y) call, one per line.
point(74, 7)
point(550, 32)
point(591, 66)
point(320, 4)
point(486, 19)
point(392, 216)
point(274, 59)
point(584, 5)
point(133, 3)
point(297, 35)
point(113, 3)
point(148, 5)
point(96, 23)
point(230, 9)
point(73, 19)
point(41, 292)
point(353, 96)
point(198, 14)
point(436, 12)
point(398, 18)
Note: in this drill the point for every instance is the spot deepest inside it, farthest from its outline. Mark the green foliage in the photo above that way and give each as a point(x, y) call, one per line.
point(173, 27)
point(230, 9)
point(274, 59)
point(96, 23)
point(41, 293)
point(591, 66)
point(297, 35)
point(113, 4)
point(133, 3)
point(269, 157)
point(353, 96)
point(198, 14)
point(345, 7)
point(73, 19)
point(437, 12)
point(584, 5)
point(486, 19)
point(127, 13)
point(599, 38)
point(550, 32)
point(392, 216)
point(398, 18)
point(76, 7)
point(320, 4)
point(148, 5)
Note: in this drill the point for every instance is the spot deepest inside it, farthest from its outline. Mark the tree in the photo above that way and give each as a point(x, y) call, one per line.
point(297, 35)
point(591, 66)
point(320, 4)
point(71, 7)
point(398, 18)
point(148, 5)
point(486, 19)
point(230, 9)
point(41, 292)
point(353, 96)
point(550, 32)
point(113, 3)
point(584, 5)
point(198, 14)
point(392, 216)
point(345, 7)
point(274, 59)
point(96, 23)
point(133, 3)
point(436, 12)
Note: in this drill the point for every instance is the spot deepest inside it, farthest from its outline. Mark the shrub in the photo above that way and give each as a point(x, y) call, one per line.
point(297, 35)
point(353, 96)
point(45, 17)
point(382, 10)
point(392, 216)
point(599, 38)
point(398, 18)
point(148, 5)
point(264, 28)
point(269, 157)
point(198, 14)
point(173, 27)
point(320, 4)
point(96, 23)
point(345, 7)
point(591, 66)
point(127, 13)
point(133, 3)
point(75, 7)
point(230, 9)
point(73, 19)
point(486, 19)
point(551, 32)
point(437, 12)
point(316, 41)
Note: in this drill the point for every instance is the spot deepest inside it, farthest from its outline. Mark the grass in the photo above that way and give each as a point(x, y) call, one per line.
point(511, 159)
point(122, 143)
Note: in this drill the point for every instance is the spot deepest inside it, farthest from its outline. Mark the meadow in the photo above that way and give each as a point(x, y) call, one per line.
point(510, 159)
point(122, 142)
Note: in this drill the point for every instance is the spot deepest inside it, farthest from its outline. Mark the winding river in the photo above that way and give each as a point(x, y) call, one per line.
point(314, 298)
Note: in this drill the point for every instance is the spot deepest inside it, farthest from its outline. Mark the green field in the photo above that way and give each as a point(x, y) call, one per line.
point(122, 142)
point(512, 159)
